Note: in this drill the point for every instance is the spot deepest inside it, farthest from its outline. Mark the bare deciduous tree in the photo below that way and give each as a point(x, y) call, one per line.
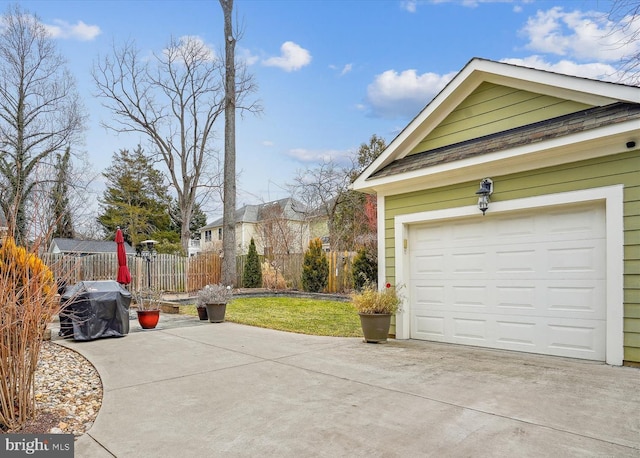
point(324, 191)
point(40, 111)
point(321, 190)
point(174, 99)
point(281, 231)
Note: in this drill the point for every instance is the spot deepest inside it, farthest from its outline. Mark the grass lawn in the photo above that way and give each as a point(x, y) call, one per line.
point(301, 315)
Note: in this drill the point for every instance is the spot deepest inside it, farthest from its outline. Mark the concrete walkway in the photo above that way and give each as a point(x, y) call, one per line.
point(197, 389)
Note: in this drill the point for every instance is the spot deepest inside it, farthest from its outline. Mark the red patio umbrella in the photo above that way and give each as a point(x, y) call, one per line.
point(124, 276)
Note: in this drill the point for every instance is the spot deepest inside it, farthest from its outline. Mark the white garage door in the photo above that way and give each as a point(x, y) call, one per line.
point(531, 281)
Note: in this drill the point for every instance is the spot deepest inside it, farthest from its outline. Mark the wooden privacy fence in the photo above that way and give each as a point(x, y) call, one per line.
point(167, 272)
point(203, 269)
point(181, 274)
point(289, 267)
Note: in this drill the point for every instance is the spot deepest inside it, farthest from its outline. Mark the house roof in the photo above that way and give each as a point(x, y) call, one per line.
point(292, 210)
point(385, 174)
point(73, 246)
point(563, 125)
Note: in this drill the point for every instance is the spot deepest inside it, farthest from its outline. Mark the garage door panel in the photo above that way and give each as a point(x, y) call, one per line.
point(557, 298)
point(429, 327)
point(576, 338)
point(570, 259)
point(579, 299)
point(516, 296)
point(431, 263)
point(582, 220)
point(528, 282)
point(559, 337)
point(515, 261)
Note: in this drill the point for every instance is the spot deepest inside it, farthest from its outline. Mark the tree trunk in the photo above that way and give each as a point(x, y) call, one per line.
point(229, 199)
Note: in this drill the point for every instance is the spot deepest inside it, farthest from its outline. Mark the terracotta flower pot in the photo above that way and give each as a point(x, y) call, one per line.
point(375, 326)
point(148, 319)
point(216, 312)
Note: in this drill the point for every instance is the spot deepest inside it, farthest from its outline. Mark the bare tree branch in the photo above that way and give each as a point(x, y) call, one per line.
point(174, 99)
point(40, 111)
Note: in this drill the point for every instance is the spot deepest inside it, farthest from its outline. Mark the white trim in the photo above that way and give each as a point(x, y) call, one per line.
point(613, 199)
point(382, 262)
point(604, 141)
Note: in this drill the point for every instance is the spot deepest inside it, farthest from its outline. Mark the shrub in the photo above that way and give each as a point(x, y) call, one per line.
point(365, 269)
point(252, 274)
point(315, 268)
point(271, 277)
point(29, 303)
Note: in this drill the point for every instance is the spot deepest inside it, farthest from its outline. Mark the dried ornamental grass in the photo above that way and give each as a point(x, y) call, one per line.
point(371, 301)
point(29, 302)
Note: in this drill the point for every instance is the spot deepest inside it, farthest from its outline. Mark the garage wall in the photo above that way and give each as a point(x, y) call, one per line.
point(623, 169)
point(493, 108)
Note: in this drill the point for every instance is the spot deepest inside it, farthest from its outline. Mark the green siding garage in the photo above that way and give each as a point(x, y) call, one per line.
point(553, 267)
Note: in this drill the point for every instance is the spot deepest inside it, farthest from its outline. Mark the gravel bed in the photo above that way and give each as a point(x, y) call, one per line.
point(68, 392)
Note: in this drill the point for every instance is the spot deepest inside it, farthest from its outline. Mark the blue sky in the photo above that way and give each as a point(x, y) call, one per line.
point(331, 73)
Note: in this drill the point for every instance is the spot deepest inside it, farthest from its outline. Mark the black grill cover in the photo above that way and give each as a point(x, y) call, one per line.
point(95, 309)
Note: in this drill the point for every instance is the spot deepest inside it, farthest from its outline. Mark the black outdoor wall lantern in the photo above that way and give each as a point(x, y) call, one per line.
point(486, 189)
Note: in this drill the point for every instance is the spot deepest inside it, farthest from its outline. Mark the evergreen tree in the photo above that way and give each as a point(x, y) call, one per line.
point(315, 268)
point(365, 269)
point(60, 197)
point(252, 275)
point(198, 218)
point(136, 198)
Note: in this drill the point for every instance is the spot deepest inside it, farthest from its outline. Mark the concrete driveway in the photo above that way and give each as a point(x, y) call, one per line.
point(209, 390)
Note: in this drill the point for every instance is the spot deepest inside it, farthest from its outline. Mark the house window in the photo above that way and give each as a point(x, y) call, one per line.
point(219, 233)
point(207, 236)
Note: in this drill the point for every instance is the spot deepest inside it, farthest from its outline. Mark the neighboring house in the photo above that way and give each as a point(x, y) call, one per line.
point(75, 247)
point(553, 267)
point(276, 227)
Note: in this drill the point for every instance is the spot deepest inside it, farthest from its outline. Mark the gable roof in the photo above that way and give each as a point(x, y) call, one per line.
point(384, 173)
point(73, 246)
point(525, 135)
point(292, 211)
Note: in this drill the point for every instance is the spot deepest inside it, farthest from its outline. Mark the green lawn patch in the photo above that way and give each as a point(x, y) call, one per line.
point(301, 315)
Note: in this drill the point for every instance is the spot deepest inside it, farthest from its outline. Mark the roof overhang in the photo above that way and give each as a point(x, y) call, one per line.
point(585, 145)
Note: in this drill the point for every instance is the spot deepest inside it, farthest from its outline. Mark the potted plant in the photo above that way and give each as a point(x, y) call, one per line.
point(375, 308)
point(215, 298)
point(148, 307)
point(202, 311)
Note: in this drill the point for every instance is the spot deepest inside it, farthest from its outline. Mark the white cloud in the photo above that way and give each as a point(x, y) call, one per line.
point(292, 57)
point(245, 55)
point(188, 47)
point(579, 35)
point(316, 156)
point(409, 5)
point(267, 143)
point(404, 94)
point(344, 70)
point(596, 70)
point(79, 31)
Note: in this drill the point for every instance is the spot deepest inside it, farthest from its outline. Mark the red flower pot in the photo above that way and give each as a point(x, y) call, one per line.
point(148, 319)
